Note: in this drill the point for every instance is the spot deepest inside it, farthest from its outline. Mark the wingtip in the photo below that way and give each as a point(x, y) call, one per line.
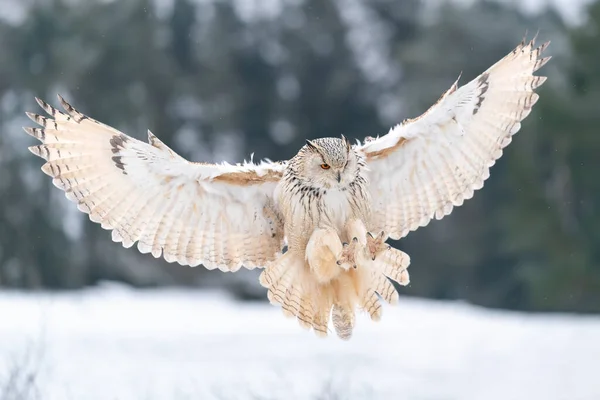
point(531, 43)
point(534, 39)
point(40, 102)
point(45, 106)
point(527, 43)
point(153, 140)
point(71, 111)
point(524, 40)
point(65, 104)
point(29, 130)
point(541, 62)
point(32, 116)
point(35, 150)
point(544, 46)
point(455, 85)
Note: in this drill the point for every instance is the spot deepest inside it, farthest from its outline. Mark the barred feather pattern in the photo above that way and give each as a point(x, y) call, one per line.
point(424, 167)
point(228, 216)
point(218, 215)
point(290, 285)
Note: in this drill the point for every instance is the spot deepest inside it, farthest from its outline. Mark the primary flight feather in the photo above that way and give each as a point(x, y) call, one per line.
point(334, 204)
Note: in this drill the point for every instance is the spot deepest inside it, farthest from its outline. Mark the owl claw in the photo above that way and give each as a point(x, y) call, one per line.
point(348, 256)
point(376, 244)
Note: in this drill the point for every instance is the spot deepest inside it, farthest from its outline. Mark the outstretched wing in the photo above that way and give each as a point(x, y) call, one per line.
point(219, 215)
point(424, 167)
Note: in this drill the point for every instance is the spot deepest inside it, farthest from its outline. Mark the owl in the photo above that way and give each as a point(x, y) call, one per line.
point(317, 224)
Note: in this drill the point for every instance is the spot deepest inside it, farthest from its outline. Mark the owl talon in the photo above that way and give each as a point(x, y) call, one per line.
point(349, 255)
point(376, 244)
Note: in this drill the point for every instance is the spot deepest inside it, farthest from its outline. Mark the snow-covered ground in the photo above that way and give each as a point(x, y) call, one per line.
point(113, 342)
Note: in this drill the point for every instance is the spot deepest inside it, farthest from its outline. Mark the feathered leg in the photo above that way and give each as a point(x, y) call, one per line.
point(356, 233)
point(323, 250)
point(355, 228)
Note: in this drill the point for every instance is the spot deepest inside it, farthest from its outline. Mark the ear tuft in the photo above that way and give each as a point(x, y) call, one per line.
point(348, 144)
point(312, 145)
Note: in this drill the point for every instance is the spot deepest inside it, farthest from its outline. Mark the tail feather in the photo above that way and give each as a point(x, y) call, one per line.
point(288, 287)
point(368, 301)
point(273, 273)
point(321, 316)
point(346, 299)
point(370, 304)
point(394, 263)
point(386, 290)
point(278, 277)
point(343, 318)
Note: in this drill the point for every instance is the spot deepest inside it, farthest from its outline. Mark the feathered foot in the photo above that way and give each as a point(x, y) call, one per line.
point(322, 253)
point(349, 255)
point(376, 244)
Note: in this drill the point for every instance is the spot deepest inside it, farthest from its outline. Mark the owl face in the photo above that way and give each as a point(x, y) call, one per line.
point(329, 162)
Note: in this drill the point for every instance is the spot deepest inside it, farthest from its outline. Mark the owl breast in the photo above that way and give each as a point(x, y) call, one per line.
point(306, 208)
point(336, 209)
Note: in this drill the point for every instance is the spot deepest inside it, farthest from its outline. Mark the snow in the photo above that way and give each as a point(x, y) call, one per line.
point(113, 342)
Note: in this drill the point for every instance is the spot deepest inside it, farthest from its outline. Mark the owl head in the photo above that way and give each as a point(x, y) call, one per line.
point(328, 162)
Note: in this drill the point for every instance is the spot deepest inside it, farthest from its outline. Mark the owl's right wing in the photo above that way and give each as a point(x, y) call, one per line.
point(219, 215)
point(424, 167)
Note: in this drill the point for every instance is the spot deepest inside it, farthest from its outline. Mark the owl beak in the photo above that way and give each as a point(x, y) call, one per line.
point(339, 177)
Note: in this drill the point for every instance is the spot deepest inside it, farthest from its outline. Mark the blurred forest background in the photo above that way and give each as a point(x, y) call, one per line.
point(219, 80)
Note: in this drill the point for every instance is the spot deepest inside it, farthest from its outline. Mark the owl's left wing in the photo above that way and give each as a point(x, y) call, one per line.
point(424, 167)
point(218, 215)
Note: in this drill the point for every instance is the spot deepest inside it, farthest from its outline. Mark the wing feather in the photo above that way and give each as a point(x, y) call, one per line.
point(426, 166)
point(219, 215)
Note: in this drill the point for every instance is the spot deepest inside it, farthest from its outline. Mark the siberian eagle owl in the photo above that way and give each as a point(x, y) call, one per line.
point(334, 204)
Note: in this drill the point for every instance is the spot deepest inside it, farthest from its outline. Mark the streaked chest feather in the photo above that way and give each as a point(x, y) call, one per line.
point(306, 207)
point(337, 208)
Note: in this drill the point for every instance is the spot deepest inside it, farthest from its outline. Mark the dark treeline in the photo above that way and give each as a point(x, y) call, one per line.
point(220, 80)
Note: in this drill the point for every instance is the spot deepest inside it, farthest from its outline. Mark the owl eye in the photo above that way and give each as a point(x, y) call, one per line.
point(325, 166)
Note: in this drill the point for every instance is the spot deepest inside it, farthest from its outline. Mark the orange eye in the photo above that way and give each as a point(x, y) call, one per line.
point(325, 166)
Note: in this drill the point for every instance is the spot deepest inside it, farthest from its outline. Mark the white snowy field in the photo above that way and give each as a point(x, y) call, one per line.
point(113, 342)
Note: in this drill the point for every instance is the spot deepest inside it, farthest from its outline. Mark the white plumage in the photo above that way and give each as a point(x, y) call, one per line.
point(228, 216)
